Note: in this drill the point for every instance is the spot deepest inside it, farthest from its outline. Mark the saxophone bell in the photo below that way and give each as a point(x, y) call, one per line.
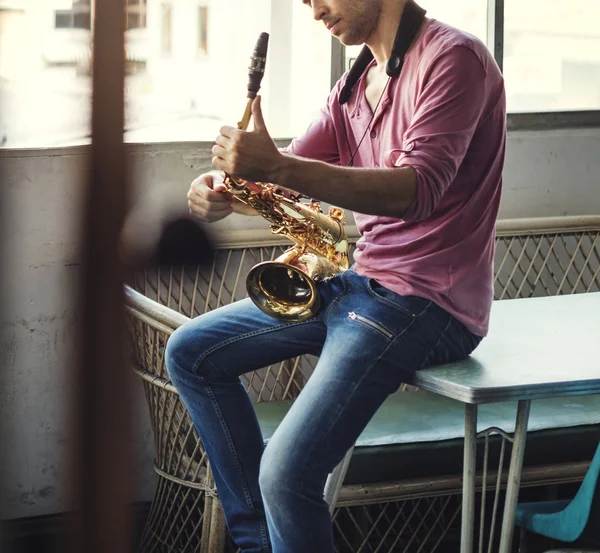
point(287, 288)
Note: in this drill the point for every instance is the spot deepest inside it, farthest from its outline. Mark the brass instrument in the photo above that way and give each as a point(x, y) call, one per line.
point(286, 287)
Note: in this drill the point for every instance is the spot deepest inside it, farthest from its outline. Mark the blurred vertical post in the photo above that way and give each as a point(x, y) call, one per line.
point(102, 460)
point(3, 264)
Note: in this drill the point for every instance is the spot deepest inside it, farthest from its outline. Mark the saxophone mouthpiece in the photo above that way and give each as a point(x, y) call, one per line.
point(257, 65)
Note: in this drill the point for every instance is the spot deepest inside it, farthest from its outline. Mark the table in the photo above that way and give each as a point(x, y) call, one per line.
point(536, 348)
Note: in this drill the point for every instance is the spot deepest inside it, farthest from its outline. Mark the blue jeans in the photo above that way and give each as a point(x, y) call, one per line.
point(368, 339)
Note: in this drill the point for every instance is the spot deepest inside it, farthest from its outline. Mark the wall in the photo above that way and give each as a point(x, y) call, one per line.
point(547, 174)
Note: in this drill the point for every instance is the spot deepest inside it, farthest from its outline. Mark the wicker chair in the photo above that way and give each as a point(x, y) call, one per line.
point(533, 258)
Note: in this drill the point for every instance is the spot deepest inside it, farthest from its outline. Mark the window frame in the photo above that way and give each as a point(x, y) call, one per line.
point(551, 120)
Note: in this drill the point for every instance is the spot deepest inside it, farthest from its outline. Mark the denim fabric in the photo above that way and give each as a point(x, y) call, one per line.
point(368, 338)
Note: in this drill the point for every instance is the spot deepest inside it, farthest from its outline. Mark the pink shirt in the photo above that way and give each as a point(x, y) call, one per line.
point(445, 117)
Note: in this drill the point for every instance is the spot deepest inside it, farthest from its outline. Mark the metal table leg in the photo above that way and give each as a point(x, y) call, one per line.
point(468, 499)
point(514, 477)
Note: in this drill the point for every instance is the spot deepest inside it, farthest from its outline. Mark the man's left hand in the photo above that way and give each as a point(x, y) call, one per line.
point(250, 155)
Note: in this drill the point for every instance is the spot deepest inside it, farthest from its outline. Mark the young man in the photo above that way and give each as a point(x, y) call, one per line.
point(418, 158)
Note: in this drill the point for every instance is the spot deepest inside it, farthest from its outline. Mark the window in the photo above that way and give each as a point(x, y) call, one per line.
point(552, 55)
point(202, 30)
point(135, 12)
point(78, 17)
point(166, 37)
point(181, 88)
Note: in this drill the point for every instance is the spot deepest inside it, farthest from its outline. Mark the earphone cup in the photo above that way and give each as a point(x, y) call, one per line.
point(394, 66)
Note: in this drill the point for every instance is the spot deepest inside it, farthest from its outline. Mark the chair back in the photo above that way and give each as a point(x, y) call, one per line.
point(591, 486)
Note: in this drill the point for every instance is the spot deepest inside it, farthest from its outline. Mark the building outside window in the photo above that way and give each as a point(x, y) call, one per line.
point(79, 16)
point(135, 13)
point(202, 30)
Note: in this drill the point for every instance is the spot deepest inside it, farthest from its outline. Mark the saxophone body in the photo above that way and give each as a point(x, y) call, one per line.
point(286, 288)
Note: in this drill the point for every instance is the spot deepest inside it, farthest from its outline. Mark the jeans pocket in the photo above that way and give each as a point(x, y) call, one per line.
point(372, 324)
point(410, 305)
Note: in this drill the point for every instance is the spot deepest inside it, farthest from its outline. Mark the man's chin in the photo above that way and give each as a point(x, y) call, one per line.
point(349, 41)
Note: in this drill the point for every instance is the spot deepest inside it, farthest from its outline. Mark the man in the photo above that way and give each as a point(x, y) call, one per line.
point(418, 158)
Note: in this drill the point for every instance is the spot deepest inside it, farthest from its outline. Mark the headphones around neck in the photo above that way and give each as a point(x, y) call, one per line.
point(412, 19)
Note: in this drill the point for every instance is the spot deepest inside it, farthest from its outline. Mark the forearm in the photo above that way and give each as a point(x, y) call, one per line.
point(386, 192)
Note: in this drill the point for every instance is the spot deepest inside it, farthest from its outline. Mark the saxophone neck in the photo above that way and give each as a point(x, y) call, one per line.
point(333, 224)
point(234, 184)
point(243, 124)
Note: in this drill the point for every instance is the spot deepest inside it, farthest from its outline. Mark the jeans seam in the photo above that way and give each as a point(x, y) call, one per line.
point(443, 333)
point(469, 336)
point(245, 336)
point(335, 300)
point(231, 445)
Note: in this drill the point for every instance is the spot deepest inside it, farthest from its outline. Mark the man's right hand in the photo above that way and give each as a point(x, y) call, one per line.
point(209, 200)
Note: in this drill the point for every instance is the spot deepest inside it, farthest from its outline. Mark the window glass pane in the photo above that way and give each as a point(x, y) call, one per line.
point(63, 19)
point(134, 20)
point(467, 15)
point(552, 55)
point(188, 97)
point(82, 20)
point(172, 93)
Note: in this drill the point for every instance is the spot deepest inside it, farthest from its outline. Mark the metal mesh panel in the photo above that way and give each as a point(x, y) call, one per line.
point(411, 526)
point(175, 521)
point(547, 264)
point(195, 290)
point(424, 525)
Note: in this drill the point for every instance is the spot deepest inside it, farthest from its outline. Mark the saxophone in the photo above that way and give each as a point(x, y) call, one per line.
point(286, 288)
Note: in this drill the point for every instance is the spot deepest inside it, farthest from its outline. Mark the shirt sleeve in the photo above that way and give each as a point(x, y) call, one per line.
point(447, 114)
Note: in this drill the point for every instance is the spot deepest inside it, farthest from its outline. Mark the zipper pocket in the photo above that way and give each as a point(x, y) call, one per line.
point(376, 326)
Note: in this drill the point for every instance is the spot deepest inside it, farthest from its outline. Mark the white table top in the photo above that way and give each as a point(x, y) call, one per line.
point(535, 348)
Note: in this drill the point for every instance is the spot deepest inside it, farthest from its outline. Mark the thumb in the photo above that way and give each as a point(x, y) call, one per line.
point(259, 122)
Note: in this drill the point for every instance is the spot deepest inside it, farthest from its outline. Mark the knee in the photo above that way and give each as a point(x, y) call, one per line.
point(274, 476)
point(179, 354)
point(284, 470)
point(270, 477)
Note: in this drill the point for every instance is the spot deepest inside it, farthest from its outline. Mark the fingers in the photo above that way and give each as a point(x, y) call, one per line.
point(208, 199)
point(208, 212)
point(229, 132)
point(223, 141)
point(225, 149)
point(219, 151)
point(249, 155)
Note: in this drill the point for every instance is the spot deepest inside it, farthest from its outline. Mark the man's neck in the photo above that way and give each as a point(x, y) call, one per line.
point(382, 39)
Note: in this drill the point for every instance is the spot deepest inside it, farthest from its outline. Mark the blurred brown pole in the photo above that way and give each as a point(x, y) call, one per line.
point(102, 460)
